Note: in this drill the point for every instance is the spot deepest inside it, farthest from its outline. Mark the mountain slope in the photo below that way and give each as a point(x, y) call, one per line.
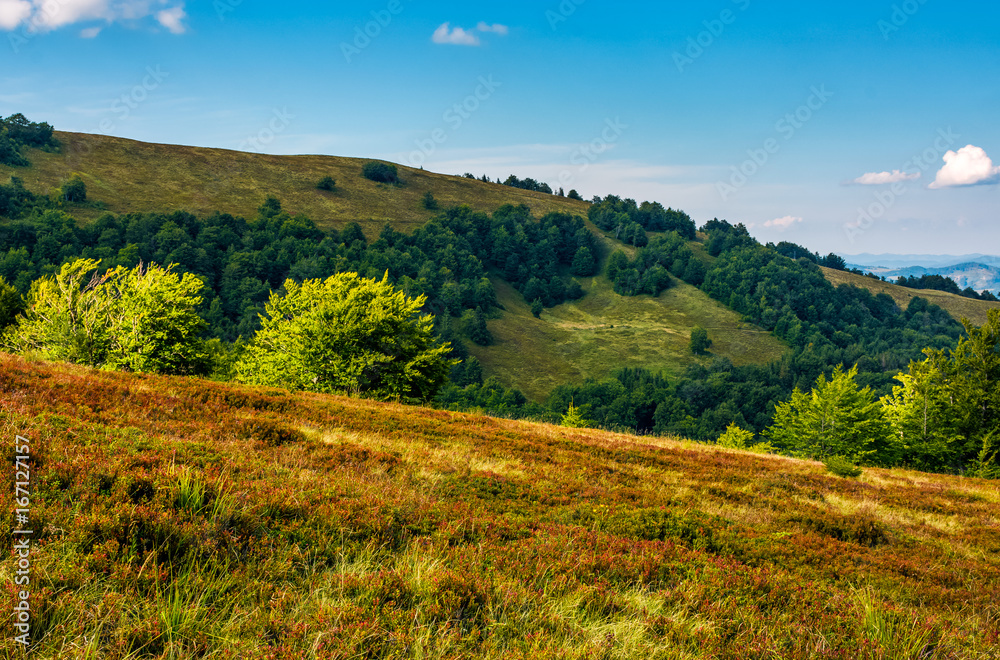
point(138, 176)
point(175, 517)
point(602, 332)
point(959, 307)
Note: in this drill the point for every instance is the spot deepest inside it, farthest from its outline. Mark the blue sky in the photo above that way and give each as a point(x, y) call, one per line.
point(821, 123)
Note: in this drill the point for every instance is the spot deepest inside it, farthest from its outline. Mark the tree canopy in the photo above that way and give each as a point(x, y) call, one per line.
point(142, 319)
point(347, 334)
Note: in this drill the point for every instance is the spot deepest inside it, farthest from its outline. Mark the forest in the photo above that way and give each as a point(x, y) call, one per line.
point(240, 263)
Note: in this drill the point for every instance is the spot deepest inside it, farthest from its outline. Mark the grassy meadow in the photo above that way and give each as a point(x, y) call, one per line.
point(127, 176)
point(602, 332)
point(179, 518)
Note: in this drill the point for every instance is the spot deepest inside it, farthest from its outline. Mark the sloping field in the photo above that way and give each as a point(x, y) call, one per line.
point(139, 176)
point(959, 307)
point(603, 332)
point(179, 518)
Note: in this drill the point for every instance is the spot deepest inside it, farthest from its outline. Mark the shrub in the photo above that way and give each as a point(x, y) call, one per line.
point(735, 438)
point(380, 172)
point(700, 342)
point(327, 183)
point(74, 190)
point(429, 202)
point(841, 467)
point(347, 334)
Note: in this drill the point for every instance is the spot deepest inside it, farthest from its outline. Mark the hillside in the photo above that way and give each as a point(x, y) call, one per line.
point(957, 306)
point(181, 518)
point(139, 176)
point(602, 332)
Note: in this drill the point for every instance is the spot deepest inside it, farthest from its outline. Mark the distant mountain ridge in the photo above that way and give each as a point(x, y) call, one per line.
point(978, 271)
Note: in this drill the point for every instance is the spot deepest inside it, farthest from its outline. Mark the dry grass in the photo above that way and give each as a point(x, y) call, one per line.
point(139, 176)
point(181, 518)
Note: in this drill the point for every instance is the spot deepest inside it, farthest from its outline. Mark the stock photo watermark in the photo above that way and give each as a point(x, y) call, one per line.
point(586, 155)
point(454, 117)
point(900, 16)
point(562, 13)
point(280, 120)
point(787, 127)
point(45, 15)
point(133, 98)
point(223, 7)
point(366, 34)
point(22, 541)
point(714, 28)
point(928, 159)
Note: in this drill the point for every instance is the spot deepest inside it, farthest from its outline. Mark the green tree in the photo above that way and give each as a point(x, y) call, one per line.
point(835, 419)
point(923, 418)
point(10, 150)
point(479, 333)
point(347, 334)
point(74, 190)
point(327, 183)
point(584, 263)
point(700, 342)
point(947, 411)
point(11, 304)
point(574, 418)
point(536, 308)
point(380, 172)
point(143, 319)
point(429, 202)
point(573, 194)
point(616, 262)
point(153, 324)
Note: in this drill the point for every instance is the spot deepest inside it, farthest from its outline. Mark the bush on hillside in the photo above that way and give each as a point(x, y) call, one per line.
point(380, 172)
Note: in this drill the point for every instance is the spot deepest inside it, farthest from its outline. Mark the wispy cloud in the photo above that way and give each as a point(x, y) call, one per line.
point(969, 166)
point(496, 27)
point(45, 15)
point(882, 178)
point(781, 224)
point(458, 36)
point(173, 19)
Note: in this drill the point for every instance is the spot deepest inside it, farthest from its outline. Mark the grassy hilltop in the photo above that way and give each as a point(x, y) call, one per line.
point(177, 518)
point(128, 175)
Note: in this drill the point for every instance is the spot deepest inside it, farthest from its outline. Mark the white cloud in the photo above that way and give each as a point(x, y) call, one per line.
point(90, 33)
point(496, 27)
point(173, 19)
point(969, 166)
point(782, 224)
point(45, 15)
point(455, 37)
point(13, 13)
point(881, 178)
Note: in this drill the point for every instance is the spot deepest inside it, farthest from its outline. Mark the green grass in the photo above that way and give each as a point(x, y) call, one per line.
point(139, 176)
point(602, 332)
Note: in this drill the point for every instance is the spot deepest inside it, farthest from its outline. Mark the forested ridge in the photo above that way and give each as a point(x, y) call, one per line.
point(447, 263)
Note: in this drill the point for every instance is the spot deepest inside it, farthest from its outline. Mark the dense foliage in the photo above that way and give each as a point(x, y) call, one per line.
point(16, 132)
point(380, 172)
point(623, 215)
point(527, 184)
point(347, 334)
point(142, 320)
